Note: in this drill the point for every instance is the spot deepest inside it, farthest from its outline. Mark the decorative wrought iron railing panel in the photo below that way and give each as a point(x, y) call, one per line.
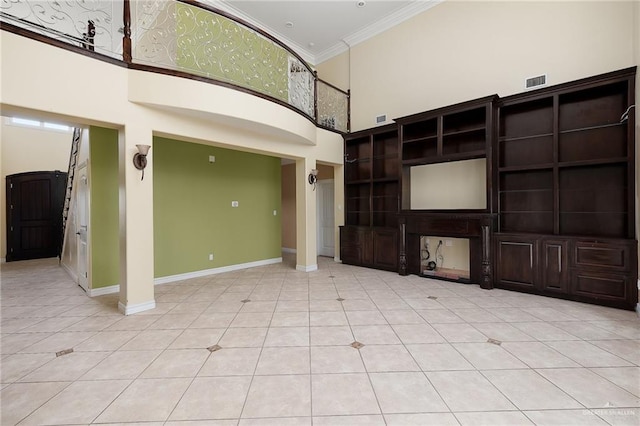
point(333, 107)
point(68, 21)
point(187, 37)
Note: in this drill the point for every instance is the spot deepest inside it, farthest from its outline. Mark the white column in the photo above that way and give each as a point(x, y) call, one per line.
point(136, 223)
point(306, 246)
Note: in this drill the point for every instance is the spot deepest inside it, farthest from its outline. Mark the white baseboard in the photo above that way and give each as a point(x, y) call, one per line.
point(337, 259)
point(70, 271)
point(308, 268)
point(179, 277)
point(205, 272)
point(92, 292)
point(289, 250)
point(3, 260)
point(135, 308)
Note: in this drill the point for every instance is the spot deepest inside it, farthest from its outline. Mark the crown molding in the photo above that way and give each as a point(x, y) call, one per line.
point(386, 23)
point(414, 8)
point(222, 5)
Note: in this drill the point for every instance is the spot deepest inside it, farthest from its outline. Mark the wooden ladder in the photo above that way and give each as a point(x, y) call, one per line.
point(73, 162)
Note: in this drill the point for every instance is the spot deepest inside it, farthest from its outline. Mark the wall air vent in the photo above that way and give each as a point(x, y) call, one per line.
point(381, 118)
point(534, 82)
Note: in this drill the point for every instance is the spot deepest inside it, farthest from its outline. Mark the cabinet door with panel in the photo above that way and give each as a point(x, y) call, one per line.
point(350, 245)
point(385, 249)
point(516, 262)
point(554, 273)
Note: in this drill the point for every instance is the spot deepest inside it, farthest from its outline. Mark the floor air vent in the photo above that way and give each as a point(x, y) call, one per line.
point(538, 81)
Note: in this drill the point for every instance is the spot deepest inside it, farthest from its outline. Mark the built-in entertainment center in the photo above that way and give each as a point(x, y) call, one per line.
point(541, 184)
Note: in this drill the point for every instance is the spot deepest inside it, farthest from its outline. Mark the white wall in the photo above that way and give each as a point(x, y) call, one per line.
point(141, 105)
point(29, 149)
point(458, 51)
point(455, 185)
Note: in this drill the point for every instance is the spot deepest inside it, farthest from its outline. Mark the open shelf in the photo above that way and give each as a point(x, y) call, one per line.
point(358, 170)
point(372, 182)
point(464, 142)
point(420, 130)
point(418, 150)
point(358, 149)
point(528, 151)
point(464, 121)
point(593, 143)
point(596, 106)
point(527, 119)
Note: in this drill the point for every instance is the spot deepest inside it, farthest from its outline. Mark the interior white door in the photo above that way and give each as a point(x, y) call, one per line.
point(325, 218)
point(82, 220)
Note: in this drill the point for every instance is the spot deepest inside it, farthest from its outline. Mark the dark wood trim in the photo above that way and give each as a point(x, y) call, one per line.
point(315, 95)
point(126, 38)
point(165, 71)
point(331, 85)
point(570, 86)
point(23, 32)
point(349, 110)
point(189, 76)
point(475, 226)
point(459, 107)
point(631, 154)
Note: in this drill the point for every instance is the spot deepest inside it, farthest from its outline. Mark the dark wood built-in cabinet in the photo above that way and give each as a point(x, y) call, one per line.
point(372, 196)
point(454, 133)
point(560, 211)
point(566, 191)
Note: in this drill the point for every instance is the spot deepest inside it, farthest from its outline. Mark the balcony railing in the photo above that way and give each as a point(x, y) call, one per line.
point(189, 38)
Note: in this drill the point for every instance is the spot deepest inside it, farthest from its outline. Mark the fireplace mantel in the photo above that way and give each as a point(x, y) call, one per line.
point(476, 226)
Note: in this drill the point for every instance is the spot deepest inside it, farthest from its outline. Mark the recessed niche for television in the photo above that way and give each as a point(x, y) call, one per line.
point(457, 185)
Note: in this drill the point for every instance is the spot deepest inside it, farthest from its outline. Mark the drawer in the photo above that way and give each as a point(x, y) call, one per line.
point(596, 285)
point(607, 256)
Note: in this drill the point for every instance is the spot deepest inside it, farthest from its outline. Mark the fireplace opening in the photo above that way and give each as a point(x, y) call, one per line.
point(445, 258)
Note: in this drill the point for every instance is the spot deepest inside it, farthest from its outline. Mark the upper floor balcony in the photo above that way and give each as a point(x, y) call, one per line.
point(184, 38)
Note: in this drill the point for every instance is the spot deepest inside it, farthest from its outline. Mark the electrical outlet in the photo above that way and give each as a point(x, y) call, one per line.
point(210, 256)
point(275, 212)
point(234, 204)
point(448, 243)
point(212, 158)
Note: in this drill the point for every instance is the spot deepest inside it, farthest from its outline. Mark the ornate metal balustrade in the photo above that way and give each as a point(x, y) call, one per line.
point(190, 38)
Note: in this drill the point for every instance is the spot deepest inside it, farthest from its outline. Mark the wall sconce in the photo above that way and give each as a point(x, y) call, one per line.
point(140, 158)
point(313, 178)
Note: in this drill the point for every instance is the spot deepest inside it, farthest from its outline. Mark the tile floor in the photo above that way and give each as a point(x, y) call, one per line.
point(340, 346)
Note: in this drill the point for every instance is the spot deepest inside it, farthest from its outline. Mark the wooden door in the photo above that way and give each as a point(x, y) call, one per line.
point(34, 214)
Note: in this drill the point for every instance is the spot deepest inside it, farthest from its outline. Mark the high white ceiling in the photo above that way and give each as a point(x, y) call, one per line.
point(321, 29)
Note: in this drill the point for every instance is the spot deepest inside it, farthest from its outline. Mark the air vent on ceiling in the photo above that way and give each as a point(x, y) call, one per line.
point(538, 81)
point(381, 118)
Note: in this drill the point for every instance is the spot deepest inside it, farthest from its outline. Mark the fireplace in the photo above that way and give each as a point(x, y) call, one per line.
point(416, 227)
point(445, 258)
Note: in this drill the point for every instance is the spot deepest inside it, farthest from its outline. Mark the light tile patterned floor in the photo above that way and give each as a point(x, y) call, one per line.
point(274, 346)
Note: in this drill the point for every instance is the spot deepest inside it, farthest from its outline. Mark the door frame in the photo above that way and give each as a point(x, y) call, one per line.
point(321, 186)
point(81, 230)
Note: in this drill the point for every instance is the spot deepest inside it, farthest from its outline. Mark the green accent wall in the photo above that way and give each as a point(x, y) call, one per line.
point(219, 48)
point(193, 215)
point(104, 225)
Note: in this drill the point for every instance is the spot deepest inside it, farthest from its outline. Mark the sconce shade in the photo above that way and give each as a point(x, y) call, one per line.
point(140, 158)
point(143, 149)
